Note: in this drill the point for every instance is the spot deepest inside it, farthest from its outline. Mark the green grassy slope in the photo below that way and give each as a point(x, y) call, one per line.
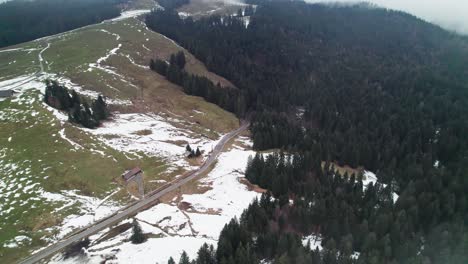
point(34, 157)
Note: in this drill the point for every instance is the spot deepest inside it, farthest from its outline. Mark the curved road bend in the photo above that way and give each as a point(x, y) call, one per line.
point(133, 208)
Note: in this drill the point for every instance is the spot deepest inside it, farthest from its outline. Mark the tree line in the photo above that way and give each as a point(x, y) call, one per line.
point(41, 18)
point(228, 98)
point(78, 109)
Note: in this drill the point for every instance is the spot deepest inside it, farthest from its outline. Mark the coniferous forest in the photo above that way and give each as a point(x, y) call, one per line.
point(227, 98)
point(22, 21)
point(77, 107)
point(349, 85)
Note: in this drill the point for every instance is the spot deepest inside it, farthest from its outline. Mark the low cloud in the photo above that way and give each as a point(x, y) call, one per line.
point(449, 14)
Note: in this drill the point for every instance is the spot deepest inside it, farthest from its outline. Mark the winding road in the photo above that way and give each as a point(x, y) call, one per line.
point(136, 206)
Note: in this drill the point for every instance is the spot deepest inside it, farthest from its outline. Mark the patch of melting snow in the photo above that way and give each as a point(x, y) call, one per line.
point(198, 112)
point(370, 177)
point(146, 48)
point(9, 50)
point(110, 53)
point(150, 134)
point(17, 241)
point(91, 209)
point(122, 78)
point(61, 116)
point(136, 64)
point(246, 21)
point(130, 14)
point(355, 255)
point(117, 36)
point(92, 94)
point(313, 241)
point(33, 81)
point(167, 217)
point(20, 179)
point(184, 14)
point(22, 83)
point(73, 143)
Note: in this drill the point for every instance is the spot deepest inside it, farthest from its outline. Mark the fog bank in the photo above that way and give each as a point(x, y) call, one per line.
point(449, 14)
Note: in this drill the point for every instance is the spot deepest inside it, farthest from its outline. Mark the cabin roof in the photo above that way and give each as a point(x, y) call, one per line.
point(129, 174)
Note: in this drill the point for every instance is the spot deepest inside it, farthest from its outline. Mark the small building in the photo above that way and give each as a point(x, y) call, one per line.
point(135, 175)
point(131, 174)
point(6, 93)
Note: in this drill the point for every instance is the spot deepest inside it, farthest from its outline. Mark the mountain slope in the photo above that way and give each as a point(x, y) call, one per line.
point(353, 85)
point(55, 176)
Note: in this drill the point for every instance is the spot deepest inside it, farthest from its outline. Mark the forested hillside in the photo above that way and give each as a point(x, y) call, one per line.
point(22, 21)
point(354, 85)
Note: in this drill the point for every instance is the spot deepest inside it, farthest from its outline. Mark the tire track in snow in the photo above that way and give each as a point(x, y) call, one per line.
point(41, 59)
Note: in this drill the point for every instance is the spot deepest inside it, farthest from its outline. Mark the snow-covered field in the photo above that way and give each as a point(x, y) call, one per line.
point(186, 222)
point(152, 135)
point(91, 209)
point(131, 13)
point(23, 83)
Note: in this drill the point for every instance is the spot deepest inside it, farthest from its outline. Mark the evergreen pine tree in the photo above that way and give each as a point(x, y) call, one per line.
point(180, 59)
point(206, 255)
point(184, 259)
point(171, 261)
point(159, 66)
point(75, 98)
point(137, 234)
point(100, 111)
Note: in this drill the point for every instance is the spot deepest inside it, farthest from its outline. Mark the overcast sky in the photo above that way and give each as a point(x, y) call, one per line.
point(450, 14)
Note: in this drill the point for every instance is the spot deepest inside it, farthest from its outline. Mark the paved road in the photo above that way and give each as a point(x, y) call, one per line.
point(137, 206)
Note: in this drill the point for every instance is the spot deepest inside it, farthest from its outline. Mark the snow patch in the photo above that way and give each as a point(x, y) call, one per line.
point(73, 143)
point(111, 52)
point(125, 133)
point(370, 177)
point(130, 14)
point(313, 241)
point(91, 210)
